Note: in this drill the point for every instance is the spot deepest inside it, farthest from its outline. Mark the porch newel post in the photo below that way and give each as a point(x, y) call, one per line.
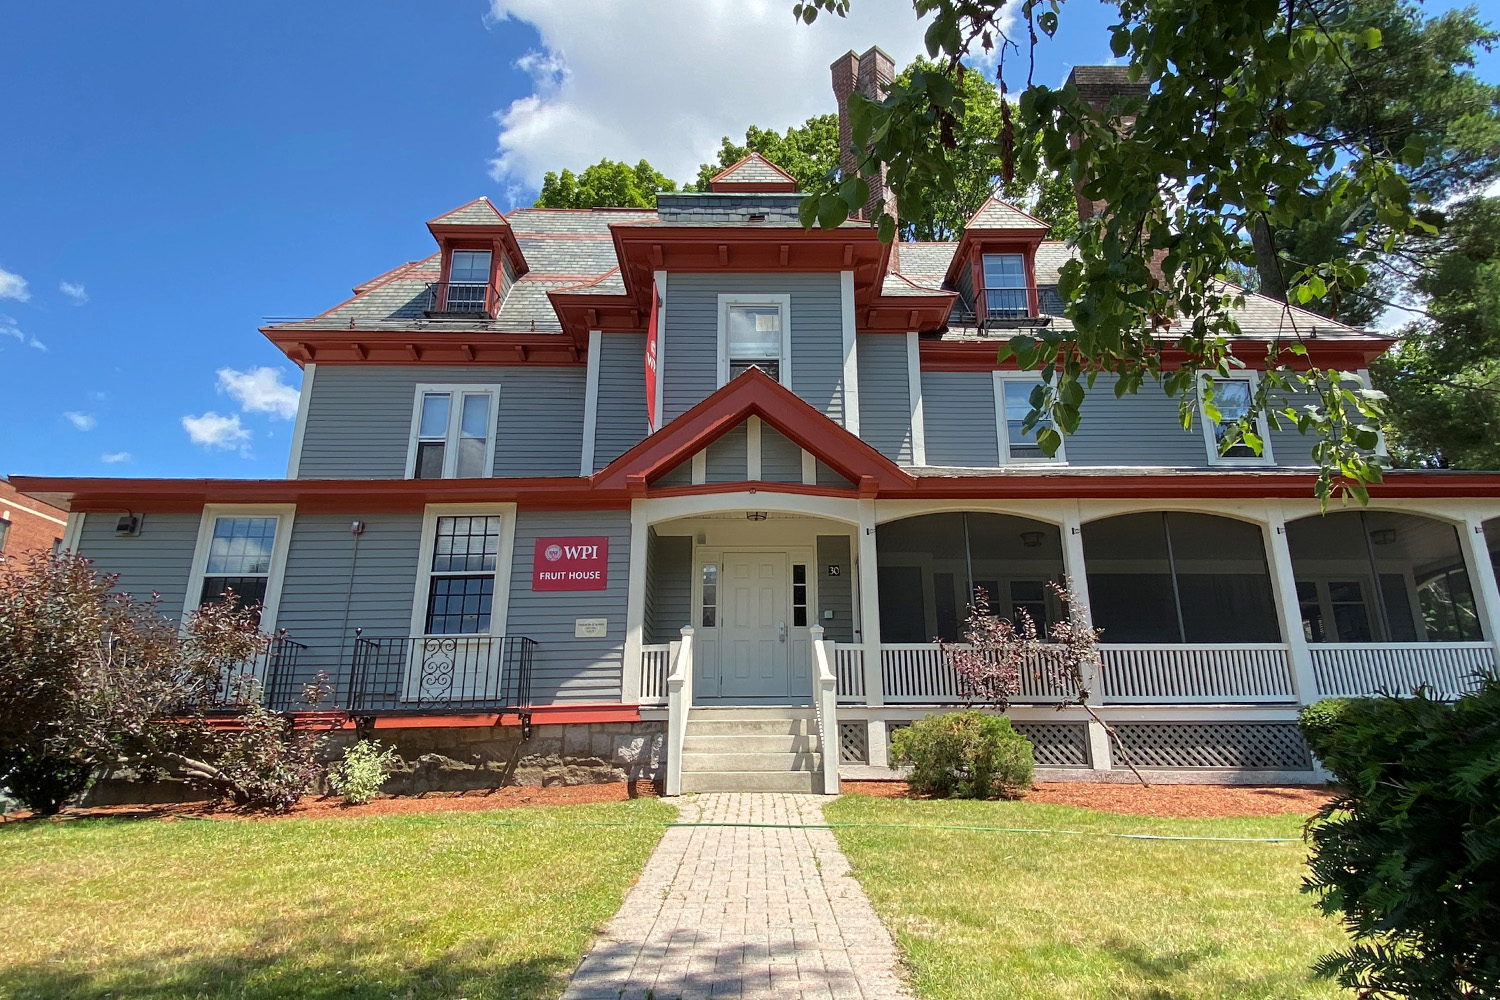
point(869, 626)
point(635, 606)
point(1077, 573)
point(1486, 590)
point(1284, 588)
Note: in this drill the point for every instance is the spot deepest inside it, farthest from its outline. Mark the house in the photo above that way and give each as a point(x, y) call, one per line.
point(697, 487)
point(27, 525)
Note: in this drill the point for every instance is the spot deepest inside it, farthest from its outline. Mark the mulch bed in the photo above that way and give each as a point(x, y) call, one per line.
point(1187, 801)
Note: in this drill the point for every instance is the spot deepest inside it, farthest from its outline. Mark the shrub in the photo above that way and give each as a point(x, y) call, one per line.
point(966, 755)
point(363, 770)
point(1408, 853)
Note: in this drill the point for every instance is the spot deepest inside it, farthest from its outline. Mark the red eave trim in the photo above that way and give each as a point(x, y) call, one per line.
point(426, 347)
point(541, 715)
point(980, 355)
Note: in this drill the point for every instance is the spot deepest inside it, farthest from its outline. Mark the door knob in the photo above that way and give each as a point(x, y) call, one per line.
point(781, 631)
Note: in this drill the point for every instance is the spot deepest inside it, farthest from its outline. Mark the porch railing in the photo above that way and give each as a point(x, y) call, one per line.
point(656, 663)
point(919, 673)
point(1214, 673)
point(416, 673)
point(272, 672)
point(849, 669)
point(1448, 669)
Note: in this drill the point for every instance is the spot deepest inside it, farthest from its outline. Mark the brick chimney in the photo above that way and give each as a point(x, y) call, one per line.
point(870, 75)
point(1101, 86)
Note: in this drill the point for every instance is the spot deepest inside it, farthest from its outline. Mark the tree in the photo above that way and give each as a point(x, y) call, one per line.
point(808, 151)
point(1186, 170)
point(606, 184)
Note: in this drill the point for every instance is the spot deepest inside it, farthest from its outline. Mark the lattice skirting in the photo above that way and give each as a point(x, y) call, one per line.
point(1057, 744)
point(854, 743)
point(1253, 745)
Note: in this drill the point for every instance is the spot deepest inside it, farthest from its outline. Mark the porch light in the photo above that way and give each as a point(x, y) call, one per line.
point(1383, 536)
point(755, 515)
point(1031, 539)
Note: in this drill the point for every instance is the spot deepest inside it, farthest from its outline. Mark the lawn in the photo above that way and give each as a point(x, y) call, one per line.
point(1064, 916)
point(477, 905)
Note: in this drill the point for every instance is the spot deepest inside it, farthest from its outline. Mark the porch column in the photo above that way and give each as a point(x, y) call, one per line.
point(1476, 552)
point(1284, 590)
point(869, 629)
point(635, 605)
point(1077, 574)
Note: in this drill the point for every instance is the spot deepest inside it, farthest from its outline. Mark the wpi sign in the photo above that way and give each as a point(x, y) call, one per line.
point(570, 564)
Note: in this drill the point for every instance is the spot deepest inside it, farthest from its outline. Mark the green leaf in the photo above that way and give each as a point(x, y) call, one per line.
point(1371, 38)
point(1049, 441)
point(832, 211)
point(887, 227)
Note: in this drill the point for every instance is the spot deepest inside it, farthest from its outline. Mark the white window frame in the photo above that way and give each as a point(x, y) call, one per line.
point(500, 605)
point(1002, 426)
point(784, 304)
point(455, 417)
point(284, 515)
point(1230, 461)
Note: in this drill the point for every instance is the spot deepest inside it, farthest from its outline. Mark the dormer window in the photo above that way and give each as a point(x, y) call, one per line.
point(1005, 293)
point(468, 281)
point(754, 333)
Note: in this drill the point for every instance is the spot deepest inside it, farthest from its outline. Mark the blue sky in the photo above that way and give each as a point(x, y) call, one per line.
point(174, 172)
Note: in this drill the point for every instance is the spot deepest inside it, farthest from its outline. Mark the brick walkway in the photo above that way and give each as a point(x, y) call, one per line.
point(743, 912)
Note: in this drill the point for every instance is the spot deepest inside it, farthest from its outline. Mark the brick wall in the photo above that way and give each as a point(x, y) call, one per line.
point(33, 525)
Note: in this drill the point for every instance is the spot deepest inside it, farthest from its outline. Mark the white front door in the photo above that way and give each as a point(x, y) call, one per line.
point(753, 633)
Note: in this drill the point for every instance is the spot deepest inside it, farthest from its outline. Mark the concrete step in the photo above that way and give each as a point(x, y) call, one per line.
point(749, 727)
point(751, 711)
point(749, 762)
point(751, 781)
point(749, 743)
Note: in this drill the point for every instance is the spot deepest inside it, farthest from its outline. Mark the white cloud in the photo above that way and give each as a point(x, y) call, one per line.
point(213, 431)
point(609, 81)
point(74, 290)
point(82, 421)
point(115, 457)
point(260, 390)
point(8, 328)
point(13, 286)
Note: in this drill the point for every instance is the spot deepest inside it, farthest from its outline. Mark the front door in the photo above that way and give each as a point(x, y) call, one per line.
point(753, 633)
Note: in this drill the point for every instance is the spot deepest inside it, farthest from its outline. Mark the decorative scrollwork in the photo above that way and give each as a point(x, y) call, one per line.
point(439, 656)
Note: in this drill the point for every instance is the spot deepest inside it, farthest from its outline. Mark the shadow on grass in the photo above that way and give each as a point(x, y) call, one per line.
point(311, 956)
point(1174, 974)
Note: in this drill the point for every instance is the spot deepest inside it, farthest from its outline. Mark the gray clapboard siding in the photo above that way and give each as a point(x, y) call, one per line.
point(158, 560)
point(669, 587)
point(727, 460)
point(323, 572)
point(565, 668)
point(1289, 446)
point(835, 593)
point(359, 418)
point(827, 477)
point(622, 396)
point(1140, 429)
point(690, 351)
point(780, 456)
point(959, 419)
point(680, 474)
point(884, 395)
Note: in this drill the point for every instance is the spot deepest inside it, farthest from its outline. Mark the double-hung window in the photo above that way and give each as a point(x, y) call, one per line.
point(1012, 403)
point(1005, 292)
point(754, 334)
point(1233, 397)
point(468, 281)
point(453, 433)
point(240, 550)
point(461, 577)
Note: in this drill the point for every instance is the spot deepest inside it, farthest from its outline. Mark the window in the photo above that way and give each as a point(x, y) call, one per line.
point(461, 585)
point(1005, 292)
point(468, 281)
point(799, 596)
point(239, 560)
point(1232, 398)
point(753, 333)
point(1030, 596)
point(1012, 404)
point(1313, 629)
point(452, 433)
point(710, 595)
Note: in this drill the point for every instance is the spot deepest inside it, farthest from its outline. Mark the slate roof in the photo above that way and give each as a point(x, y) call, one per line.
point(753, 169)
point(996, 214)
point(478, 212)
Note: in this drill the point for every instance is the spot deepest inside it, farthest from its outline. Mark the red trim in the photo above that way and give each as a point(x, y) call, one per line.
point(755, 486)
point(715, 183)
point(541, 715)
point(981, 355)
point(426, 347)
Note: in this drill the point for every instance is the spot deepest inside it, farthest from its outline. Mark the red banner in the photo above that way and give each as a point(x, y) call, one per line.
point(651, 340)
point(570, 564)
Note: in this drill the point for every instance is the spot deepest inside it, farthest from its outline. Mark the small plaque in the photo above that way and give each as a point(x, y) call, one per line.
point(590, 628)
point(835, 570)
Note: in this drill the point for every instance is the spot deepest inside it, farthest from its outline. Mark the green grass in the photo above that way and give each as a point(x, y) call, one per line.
point(1054, 916)
point(437, 905)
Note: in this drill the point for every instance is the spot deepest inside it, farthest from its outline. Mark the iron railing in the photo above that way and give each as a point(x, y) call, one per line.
point(272, 672)
point(462, 298)
point(1002, 308)
point(440, 672)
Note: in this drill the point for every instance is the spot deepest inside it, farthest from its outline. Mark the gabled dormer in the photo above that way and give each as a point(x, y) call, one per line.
point(480, 261)
point(754, 174)
point(994, 267)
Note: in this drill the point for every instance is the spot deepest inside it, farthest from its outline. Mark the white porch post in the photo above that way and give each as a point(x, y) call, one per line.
point(1284, 588)
point(635, 605)
point(869, 625)
point(1482, 581)
point(1077, 573)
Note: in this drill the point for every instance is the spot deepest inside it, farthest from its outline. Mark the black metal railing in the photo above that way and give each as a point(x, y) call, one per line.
point(270, 675)
point(462, 298)
point(1006, 306)
point(440, 672)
